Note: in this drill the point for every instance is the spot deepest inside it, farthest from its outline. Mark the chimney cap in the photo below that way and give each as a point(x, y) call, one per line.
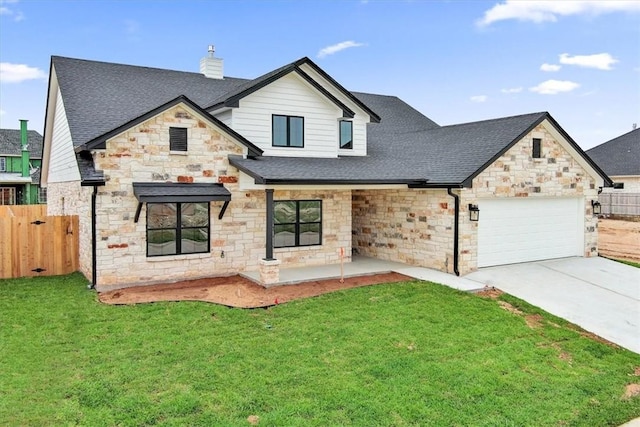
point(211, 49)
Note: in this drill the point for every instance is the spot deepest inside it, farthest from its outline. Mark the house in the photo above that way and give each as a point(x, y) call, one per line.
point(620, 159)
point(20, 158)
point(178, 175)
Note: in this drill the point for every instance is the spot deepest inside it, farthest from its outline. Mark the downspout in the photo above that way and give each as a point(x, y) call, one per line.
point(94, 251)
point(456, 199)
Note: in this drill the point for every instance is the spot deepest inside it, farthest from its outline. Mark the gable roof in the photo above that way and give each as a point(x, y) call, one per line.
point(619, 156)
point(232, 98)
point(99, 142)
point(11, 143)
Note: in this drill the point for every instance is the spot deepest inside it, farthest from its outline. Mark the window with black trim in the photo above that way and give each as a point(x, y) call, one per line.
point(537, 148)
point(177, 228)
point(297, 223)
point(346, 134)
point(177, 139)
point(3, 164)
point(288, 131)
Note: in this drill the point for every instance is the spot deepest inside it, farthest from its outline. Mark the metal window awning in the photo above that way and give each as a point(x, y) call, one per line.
point(175, 192)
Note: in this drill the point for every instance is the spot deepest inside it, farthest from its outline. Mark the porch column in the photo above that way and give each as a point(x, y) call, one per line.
point(269, 248)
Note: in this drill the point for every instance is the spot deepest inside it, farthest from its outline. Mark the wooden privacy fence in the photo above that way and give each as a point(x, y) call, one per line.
point(33, 244)
point(627, 204)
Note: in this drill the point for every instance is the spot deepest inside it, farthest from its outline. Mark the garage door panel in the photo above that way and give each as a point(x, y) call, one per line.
point(521, 230)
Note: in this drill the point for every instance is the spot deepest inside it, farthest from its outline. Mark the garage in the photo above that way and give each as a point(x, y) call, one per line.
point(532, 229)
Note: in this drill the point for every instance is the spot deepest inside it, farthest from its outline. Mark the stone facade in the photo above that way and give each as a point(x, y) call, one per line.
point(416, 226)
point(237, 242)
point(410, 226)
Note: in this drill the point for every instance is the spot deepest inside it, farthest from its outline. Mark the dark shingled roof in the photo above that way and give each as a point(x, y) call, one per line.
point(619, 156)
point(429, 154)
point(160, 192)
point(11, 143)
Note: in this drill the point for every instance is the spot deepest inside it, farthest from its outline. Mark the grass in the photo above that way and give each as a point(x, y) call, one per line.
point(631, 263)
point(410, 354)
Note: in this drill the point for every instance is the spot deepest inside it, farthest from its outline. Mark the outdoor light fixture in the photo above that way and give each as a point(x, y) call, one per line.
point(474, 212)
point(597, 208)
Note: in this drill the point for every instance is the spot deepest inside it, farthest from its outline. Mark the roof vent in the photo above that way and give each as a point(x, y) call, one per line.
point(210, 66)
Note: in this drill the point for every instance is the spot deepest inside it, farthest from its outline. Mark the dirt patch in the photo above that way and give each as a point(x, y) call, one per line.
point(489, 292)
point(510, 308)
point(534, 320)
point(636, 371)
point(631, 390)
point(236, 291)
point(619, 239)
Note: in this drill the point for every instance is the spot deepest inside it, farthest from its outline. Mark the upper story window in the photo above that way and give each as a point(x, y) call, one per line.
point(177, 139)
point(537, 148)
point(177, 228)
point(288, 131)
point(346, 134)
point(3, 164)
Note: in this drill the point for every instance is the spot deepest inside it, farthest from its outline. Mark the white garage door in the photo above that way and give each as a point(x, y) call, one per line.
point(521, 230)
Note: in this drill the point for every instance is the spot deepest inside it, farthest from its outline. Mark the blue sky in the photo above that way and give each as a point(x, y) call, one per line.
point(455, 61)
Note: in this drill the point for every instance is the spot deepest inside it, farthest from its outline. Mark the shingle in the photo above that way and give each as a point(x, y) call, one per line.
point(11, 143)
point(619, 156)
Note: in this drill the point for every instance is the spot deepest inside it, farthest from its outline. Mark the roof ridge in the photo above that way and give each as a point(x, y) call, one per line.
point(498, 119)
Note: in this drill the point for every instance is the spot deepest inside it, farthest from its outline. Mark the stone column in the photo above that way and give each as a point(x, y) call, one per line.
point(269, 272)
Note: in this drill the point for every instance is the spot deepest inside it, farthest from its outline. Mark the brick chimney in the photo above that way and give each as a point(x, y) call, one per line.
point(211, 67)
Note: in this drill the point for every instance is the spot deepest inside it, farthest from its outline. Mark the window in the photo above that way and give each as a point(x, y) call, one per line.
point(178, 139)
point(42, 195)
point(346, 134)
point(3, 164)
point(288, 131)
point(537, 148)
point(7, 196)
point(177, 228)
point(297, 223)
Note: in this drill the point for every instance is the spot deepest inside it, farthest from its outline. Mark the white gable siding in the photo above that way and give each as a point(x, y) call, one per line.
point(225, 117)
point(359, 121)
point(63, 166)
point(290, 96)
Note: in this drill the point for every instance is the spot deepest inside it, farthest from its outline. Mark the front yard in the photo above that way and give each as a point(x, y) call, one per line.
point(412, 353)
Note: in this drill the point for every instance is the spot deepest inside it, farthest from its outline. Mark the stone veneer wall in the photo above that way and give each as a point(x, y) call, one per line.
point(517, 174)
point(409, 226)
point(69, 198)
point(237, 241)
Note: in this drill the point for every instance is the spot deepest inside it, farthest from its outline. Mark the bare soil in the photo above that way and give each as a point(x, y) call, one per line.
point(619, 239)
point(236, 291)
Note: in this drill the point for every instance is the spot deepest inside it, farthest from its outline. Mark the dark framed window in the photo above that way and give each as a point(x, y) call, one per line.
point(346, 134)
point(288, 131)
point(537, 148)
point(177, 139)
point(297, 223)
point(3, 164)
point(177, 228)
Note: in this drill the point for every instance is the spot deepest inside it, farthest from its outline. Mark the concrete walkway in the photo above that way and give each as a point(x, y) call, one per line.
point(597, 294)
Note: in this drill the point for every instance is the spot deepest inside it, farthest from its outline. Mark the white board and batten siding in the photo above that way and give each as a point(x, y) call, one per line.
point(518, 230)
point(63, 166)
point(291, 96)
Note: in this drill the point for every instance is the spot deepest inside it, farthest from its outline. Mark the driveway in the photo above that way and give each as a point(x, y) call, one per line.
point(597, 294)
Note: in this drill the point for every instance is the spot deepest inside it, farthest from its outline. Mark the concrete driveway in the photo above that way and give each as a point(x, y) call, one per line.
point(597, 294)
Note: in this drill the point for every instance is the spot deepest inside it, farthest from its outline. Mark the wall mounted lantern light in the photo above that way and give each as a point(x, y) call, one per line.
point(597, 208)
point(474, 212)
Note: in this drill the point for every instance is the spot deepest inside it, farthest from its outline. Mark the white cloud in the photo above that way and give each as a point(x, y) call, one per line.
point(16, 73)
point(550, 67)
point(512, 90)
point(9, 11)
point(601, 61)
point(553, 87)
point(549, 11)
point(479, 98)
point(330, 50)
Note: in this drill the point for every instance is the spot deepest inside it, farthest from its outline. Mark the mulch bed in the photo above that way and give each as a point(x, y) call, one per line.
point(237, 291)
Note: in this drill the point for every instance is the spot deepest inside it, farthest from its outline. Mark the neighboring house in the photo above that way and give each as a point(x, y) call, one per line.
point(178, 175)
point(20, 158)
point(620, 159)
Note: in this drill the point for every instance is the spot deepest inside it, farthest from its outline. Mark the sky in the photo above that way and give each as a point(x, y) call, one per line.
point(454, 61)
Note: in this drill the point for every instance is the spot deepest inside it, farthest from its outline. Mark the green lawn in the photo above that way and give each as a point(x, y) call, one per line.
point(410, 354)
